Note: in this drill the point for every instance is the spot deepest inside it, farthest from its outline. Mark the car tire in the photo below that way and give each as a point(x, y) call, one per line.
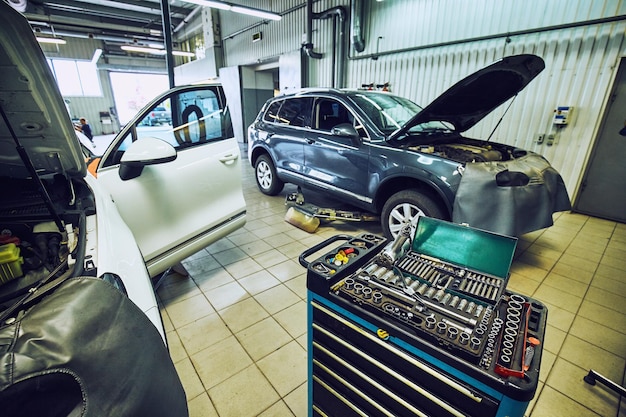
point(405, 206)
point(265, 176)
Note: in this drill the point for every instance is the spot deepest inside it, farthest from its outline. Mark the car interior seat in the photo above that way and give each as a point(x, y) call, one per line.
point(326, 117)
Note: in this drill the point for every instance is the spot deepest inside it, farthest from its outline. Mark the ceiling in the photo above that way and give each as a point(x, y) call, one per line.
point(124, 21)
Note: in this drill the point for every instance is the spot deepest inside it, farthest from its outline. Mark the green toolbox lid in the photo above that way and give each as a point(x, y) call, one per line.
point(476, 249)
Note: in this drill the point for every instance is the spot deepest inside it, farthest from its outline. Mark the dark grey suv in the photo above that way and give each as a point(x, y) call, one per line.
point(385, 154)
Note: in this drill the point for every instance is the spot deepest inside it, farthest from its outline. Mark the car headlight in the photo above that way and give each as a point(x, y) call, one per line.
point(114, 280)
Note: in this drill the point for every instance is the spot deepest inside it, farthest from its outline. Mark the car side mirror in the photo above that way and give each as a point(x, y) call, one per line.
point(344, 129)
point(142, 152)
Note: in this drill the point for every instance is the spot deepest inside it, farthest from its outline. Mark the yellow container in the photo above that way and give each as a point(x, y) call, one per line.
point(10, 262)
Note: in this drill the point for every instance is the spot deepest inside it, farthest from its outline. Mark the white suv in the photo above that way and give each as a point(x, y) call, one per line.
point(156, 196)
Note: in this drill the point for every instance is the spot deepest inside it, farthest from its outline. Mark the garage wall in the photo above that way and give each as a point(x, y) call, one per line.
point(423, 47)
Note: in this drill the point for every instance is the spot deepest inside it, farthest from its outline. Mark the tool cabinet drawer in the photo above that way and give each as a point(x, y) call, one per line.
point(355, 372)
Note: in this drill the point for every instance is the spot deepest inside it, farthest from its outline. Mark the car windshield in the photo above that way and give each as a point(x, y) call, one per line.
point(389, 112)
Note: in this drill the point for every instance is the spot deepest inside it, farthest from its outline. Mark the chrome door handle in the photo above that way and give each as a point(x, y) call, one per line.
point(229, 158)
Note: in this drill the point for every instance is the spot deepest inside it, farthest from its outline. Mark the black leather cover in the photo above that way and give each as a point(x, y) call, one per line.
point(86, 350)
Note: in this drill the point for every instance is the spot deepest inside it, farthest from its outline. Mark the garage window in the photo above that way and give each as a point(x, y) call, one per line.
point(76, 78)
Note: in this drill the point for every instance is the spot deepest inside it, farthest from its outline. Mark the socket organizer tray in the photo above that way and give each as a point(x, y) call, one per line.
point(442, 300)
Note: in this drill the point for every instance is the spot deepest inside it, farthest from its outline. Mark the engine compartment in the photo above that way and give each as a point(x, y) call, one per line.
point(50, 243)
point(470, 151)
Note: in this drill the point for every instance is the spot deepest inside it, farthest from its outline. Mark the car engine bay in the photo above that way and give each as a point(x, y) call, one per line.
point(471, 151)
point(38, 246)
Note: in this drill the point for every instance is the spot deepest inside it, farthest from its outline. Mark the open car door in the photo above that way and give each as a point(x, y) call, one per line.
point(177, 183)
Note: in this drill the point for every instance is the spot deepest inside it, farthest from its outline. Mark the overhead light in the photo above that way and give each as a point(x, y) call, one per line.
point(96, 55)
point(211, 4)
point(183, 53)
point(153, 51)
point(57, 41)
point(255, 12)
point(250, 11)
point(142, 49)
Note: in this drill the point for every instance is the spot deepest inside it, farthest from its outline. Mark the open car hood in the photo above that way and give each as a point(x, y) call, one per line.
point(31, 106)
point(471, 99)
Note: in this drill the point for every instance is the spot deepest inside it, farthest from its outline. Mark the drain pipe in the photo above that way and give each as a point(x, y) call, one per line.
point(308, 45)
point(337, 13)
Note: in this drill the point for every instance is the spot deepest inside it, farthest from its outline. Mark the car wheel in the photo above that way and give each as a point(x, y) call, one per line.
point(406, 207)
point(266, 178)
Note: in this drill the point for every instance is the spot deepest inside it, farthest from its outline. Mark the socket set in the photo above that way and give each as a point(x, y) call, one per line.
point(424, 313)
point(432, 311)
point(433, 276)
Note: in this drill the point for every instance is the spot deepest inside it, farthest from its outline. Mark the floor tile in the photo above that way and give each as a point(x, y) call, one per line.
point(552, 403)
point(189, 378)
point(246, 394)
point(277, 298)
point(278, 409)
point(567, 379)
point(606, 298)
point(263, 338)
point(188, 311)
point(599, 335)
point(203, 333)
point(258, 282)
point(601, 314)
point(558, 297)
point(243, 268)
point(565, 284)
point(286, 270)
point(285, 368)
point(297, 400)
point(243, 314)
point(201, 406)
point(212, 279)
point(226, 295)
point(230, 256)
point(560, 318)
point(270, 258)
point(220, 361)
point(293, 319)
point(587, 356)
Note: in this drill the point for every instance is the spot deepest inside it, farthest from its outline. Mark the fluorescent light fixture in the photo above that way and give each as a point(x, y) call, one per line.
point(211, 4)
point(255, 12)
point(57, 41)
point(153, 51)
point(142, 49)
point(96, 55)
point(236, 9)
point(183, 53)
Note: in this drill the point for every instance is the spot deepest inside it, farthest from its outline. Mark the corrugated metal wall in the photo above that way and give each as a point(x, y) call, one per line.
point(424, 46)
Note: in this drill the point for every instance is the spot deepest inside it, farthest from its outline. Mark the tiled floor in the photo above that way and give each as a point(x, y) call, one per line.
point(237, 325)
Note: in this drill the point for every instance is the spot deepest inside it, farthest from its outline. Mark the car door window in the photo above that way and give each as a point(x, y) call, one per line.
point(329, 113)
point(296, 112)
point(271, 115)
point(184, 120)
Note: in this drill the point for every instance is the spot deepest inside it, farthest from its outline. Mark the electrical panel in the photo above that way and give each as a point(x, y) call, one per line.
point(562, 115)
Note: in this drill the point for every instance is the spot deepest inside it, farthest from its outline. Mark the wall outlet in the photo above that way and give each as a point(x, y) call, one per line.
point(539, 137)
point(550, 140)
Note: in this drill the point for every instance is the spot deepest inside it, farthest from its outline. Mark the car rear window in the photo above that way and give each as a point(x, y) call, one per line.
point(271, 115)
point(292, 112)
